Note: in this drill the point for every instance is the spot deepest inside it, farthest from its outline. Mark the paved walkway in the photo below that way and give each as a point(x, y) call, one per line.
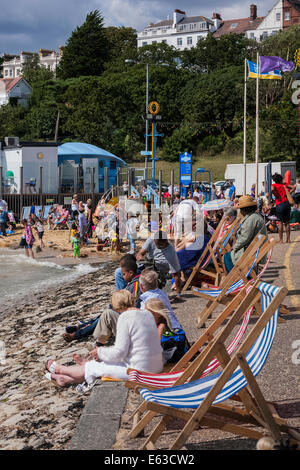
point(105, 418)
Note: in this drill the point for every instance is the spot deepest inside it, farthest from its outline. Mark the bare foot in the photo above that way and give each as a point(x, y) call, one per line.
point(80, 360)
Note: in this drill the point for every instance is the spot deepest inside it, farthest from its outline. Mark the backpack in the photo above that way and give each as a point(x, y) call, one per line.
point(174, 344)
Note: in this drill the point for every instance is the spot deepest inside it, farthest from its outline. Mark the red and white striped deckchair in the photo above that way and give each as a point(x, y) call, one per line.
point(185, 367)
point(204, 402)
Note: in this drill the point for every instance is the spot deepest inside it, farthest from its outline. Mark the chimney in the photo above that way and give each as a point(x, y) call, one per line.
point(177, 16)
point(253, 12)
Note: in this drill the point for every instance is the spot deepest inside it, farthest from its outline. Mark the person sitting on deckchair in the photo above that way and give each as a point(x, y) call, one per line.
point(252, 224)
point(164, 257)
point(149, 289)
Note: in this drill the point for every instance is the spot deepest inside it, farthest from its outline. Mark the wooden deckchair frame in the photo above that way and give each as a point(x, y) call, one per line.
point(256, 411)
point(242, 300)
point(238, 272)
point(214, 248)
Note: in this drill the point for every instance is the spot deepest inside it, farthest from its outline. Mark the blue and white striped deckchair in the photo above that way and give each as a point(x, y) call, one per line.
point(204, 395)
point(242, 272)
point(216, 245)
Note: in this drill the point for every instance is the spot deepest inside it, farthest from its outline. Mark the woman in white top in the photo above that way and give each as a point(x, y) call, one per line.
point(137, 345)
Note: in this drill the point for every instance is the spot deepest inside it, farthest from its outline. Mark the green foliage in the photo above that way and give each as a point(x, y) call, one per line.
point(100, 97)
point(33, 73)
point(86, 50)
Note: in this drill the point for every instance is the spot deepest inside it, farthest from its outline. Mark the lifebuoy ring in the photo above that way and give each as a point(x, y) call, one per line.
point(153, 107)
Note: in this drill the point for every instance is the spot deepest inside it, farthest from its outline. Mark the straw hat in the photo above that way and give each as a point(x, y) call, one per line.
point(246, 201)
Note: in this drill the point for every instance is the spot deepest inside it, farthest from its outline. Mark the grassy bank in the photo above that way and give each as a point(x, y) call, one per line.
point(216, 165)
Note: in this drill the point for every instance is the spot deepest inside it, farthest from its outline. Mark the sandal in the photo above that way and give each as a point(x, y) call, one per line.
point(53, 382)
point(50, 368)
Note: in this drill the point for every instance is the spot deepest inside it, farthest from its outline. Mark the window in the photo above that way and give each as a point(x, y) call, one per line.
point(189, 40)
point(154, 42)
point(113, 165)
point(10, 73)
point(164, 41)
point(287, 15)
point(6, 73)
point(144, 43)
point(18, 71)
point(252, 35)
point(179, 41)
point(264, 35)
point(233, 25)
point(278, 16)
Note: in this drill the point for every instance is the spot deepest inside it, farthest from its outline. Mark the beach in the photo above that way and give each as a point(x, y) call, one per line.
point(33, 413)
point(37, 415)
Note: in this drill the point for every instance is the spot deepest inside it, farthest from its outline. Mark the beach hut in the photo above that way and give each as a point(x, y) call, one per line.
point(76, 160)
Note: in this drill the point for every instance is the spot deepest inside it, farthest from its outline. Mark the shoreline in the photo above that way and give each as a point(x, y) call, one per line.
point(34, 414)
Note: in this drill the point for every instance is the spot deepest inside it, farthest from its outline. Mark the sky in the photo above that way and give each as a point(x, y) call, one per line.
point(30, 25)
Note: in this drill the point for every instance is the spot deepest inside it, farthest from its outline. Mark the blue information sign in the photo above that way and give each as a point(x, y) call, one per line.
point(185, 172)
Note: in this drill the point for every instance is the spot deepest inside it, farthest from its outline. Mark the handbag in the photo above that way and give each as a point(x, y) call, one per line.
point(289, 197)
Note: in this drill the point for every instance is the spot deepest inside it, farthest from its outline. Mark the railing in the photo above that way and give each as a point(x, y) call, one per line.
point(16, 202)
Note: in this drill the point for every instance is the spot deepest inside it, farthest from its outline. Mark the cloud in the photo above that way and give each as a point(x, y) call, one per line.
point(34, 24)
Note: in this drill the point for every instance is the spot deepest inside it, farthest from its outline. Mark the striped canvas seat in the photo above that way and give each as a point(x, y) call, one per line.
point(191, 394)
point(168, 379)
point(213, 291)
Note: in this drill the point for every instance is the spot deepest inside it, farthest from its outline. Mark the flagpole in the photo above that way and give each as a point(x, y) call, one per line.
point(257, 124)
point(245, 128)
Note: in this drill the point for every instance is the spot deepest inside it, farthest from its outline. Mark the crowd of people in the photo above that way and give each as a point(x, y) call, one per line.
point(139, 328)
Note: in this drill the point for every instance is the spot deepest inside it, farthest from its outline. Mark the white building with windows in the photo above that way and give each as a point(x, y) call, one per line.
point(270, 25)
point(13, 64)
point(182, 32)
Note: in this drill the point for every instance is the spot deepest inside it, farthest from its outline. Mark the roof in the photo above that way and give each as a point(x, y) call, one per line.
point(238, 26)
point(10, 83)
point(194, 19)
point(185, 20)
point(85, 150)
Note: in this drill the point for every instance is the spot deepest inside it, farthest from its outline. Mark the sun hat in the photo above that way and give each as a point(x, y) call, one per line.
point(246, 201)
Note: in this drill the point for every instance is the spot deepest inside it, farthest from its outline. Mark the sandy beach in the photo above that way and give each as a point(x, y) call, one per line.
point(33, 413)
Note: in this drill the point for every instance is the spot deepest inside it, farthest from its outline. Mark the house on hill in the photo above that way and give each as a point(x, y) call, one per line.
point(15, 90)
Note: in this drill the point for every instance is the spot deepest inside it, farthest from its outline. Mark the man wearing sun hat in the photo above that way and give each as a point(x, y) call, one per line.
point(252, 224)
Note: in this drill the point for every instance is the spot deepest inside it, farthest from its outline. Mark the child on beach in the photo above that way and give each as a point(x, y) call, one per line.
point(76, 245)
point(39, 226)
point(29, 238)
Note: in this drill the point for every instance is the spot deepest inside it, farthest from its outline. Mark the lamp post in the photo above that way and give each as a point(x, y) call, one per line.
point(131, 61)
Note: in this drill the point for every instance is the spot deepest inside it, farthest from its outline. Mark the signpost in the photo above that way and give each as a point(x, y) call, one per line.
point(185, 172)
point(154, 116)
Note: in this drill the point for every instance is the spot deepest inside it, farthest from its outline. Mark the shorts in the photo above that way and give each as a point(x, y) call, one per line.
point(27, 246)
point(40, 235)
point(283, 212)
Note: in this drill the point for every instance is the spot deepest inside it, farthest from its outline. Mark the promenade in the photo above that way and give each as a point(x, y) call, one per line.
point(104, 423)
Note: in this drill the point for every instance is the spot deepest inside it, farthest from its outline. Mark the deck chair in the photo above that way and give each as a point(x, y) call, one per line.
point(218, 244)
point(203, 402)
point(244, 270)
point(184, 368)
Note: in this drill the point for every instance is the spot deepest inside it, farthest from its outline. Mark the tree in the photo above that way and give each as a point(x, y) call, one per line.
point(33, 72)
point(86, 50)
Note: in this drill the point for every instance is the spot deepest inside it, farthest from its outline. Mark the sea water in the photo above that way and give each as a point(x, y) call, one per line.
point(20, 275)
